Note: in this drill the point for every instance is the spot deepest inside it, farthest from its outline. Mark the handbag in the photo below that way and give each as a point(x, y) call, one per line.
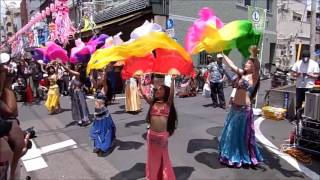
point(206, 91)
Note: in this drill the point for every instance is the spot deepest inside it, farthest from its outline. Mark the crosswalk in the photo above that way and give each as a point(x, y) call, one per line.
point(33, 160)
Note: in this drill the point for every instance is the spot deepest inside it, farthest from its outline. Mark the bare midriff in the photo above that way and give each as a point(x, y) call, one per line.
point(242, 98)
point(158, 123)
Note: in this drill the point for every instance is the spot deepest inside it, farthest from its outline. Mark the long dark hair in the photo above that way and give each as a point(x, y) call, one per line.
point(48, 70)
point(109, 94)
point(172, 118)
point(257, 85)
point(82, 71)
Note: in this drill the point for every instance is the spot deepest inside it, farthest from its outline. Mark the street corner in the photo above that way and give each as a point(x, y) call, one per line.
point(273, 137)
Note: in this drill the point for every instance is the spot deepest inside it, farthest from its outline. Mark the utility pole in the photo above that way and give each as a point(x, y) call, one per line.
point(313, 28)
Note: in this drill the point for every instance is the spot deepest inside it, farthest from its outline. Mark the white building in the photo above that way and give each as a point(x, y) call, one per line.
point(293, 28)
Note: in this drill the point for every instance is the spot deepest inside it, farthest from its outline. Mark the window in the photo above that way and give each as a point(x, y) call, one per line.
point(247, 2)
point(296, 16)
point(244, 2)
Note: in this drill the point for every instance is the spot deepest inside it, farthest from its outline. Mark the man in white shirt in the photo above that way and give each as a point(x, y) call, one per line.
point(306, 71)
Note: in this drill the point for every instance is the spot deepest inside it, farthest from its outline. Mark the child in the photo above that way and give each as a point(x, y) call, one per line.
point(162, 118)
point(103, 129)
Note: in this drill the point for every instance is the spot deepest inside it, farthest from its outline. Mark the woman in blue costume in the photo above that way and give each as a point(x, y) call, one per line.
point(103, 129)
point(238, 145)
point(79, 107)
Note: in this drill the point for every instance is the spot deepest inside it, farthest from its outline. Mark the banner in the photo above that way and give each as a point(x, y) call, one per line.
point(258, 17)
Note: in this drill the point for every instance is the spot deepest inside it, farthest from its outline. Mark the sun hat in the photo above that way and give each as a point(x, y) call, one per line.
point(4, 58)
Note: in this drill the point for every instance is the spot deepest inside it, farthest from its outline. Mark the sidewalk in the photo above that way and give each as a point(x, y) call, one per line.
point(278, 133)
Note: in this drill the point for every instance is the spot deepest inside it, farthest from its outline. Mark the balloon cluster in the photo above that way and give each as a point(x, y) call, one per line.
point(62, 28)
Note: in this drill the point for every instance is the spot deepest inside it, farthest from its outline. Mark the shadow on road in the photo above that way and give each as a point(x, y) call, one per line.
point(211, 159)
point(122, 107)
point(138, 172)
point(135, 123)
point(199, 144)
point(215, 131)
point(208, 105)
point(73, 123)
point(144, 136)
point(119, 112)
point(127, 145)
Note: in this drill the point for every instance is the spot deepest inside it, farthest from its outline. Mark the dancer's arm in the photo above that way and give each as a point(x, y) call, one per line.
point(233, 67)
point(171, 95)
point(8, 103)
point(42, 68)
point(75, 73)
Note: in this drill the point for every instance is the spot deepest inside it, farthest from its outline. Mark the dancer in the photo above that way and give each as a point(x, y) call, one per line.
point(103, 129)
point(53, 99)
point(79, 108)
point(15, 141)
point(133, 101)
point(238, 145)
point(162, 117)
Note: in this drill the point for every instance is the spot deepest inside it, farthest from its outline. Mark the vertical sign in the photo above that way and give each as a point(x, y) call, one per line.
point(170, 28)
point(258, 17)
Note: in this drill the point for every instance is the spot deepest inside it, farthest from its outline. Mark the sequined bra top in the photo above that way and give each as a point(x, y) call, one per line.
point(163, 111)
point(244, 84)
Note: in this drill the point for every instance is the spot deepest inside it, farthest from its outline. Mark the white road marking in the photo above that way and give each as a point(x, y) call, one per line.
point(271, 147)
point(33, 159)
point(56, 146)
point(91, 97)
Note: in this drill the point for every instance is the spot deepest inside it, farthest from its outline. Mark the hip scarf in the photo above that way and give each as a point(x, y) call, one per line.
point(158, 165)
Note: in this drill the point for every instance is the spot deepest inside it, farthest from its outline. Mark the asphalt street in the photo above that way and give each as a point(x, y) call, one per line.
point(193, 148)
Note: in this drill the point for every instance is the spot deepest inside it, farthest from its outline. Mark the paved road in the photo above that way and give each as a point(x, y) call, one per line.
point(193, 147)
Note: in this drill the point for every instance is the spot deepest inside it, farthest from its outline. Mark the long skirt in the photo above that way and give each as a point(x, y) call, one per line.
point(103, 132)
point(158, 164)
point(133, 101)
point(238, 144)
point(79, 106)
point(53, 99)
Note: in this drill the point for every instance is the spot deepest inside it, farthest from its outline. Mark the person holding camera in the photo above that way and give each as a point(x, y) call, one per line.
point(306, 71)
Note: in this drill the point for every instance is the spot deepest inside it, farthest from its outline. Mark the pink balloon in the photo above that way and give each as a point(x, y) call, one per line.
point(48, 11)
point(52, 7)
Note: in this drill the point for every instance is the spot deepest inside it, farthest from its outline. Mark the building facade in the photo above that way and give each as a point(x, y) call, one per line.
point(12, 19)
point(184, 13)
point(293, 29)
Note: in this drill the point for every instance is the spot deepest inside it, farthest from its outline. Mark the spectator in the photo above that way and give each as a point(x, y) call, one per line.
point(215, 79)
point(306, 71)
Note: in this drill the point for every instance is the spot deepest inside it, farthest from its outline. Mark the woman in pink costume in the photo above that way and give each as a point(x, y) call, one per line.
point(162, 117)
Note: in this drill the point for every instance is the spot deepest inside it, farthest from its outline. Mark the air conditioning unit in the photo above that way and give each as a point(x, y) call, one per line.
point(312, 106)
